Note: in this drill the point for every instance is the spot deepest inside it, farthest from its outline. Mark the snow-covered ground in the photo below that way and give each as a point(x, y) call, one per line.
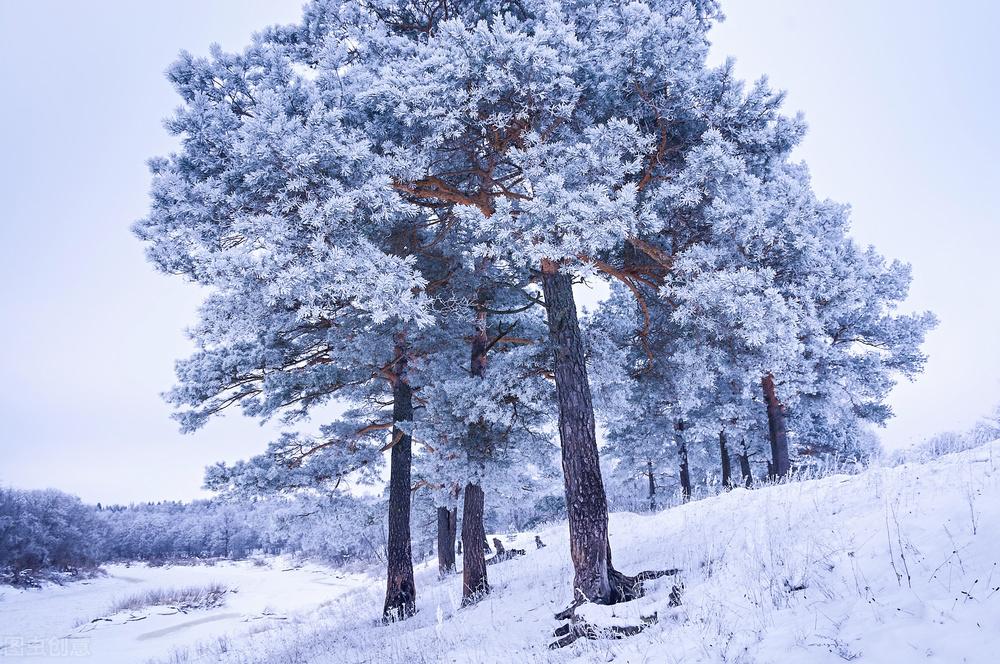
point(892, 565)
point(74, 622)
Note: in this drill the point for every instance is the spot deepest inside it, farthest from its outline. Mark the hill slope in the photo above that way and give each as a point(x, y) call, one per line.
point(894, 564)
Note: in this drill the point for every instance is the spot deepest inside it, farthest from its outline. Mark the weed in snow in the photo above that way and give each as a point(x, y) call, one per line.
point(184, 599)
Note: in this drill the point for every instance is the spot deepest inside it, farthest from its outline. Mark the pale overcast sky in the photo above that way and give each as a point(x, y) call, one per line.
point(900, 97)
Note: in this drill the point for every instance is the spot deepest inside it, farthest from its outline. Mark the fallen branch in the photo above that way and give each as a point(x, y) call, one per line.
point(629, 588)
point(503, 554)
point(578, 628)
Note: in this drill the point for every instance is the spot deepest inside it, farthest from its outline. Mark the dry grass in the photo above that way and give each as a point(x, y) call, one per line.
point(185, 599)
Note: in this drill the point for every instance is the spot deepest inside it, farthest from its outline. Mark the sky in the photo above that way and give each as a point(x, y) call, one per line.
point(900, 96)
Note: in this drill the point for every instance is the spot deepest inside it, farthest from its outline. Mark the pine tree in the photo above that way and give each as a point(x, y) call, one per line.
point(281, 209)
point(385, 194)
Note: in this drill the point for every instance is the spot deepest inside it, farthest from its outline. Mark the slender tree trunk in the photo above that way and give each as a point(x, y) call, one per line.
point(685, 469)
point(586, 503)
point(401, 593)
point(727, 469)
point(445, 541)
point(474, 581)
point(652, 485)
point(780, 464)
point(685, 474)
point(745, 470)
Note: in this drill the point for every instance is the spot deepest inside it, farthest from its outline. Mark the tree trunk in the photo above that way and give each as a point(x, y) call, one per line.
point(474, 581)
point(652, 485)
point(745, 470)
point(685, 469)
point(586, 503)
point(401, 593)
point(780, 464)
point(727, 469)
point(685, 474)
point(445, 541)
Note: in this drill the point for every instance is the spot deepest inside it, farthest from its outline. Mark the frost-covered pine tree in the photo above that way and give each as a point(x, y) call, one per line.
point(755, 280)
point(855, 342)
point(499, 120)
point(698, 321)
point(383, 165)
point(501, 115)
point(283, 210)
point(484, 396)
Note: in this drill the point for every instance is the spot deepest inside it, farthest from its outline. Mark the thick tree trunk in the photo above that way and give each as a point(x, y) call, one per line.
point(446, 541)
point(586, 503)
point(652, 485)
point(474, 581)
point(727, 468)
point(401, 593)
point(780, 464)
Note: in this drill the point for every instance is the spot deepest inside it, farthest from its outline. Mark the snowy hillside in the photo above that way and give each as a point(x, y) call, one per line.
point(892, 565)
point(895, 564)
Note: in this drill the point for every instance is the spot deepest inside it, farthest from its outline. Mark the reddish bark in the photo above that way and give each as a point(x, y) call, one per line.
point(780, 464)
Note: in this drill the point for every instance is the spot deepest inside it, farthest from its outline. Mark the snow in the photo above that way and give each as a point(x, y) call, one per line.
point(890, 565)
point(73, 620)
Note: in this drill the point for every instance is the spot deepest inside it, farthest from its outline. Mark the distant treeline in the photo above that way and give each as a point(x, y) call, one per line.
point(46, 532)
point(49, 531)
point(986, 429)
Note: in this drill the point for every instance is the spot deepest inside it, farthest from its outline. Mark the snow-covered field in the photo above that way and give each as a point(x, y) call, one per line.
point(892, 565)
point(74, 622)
